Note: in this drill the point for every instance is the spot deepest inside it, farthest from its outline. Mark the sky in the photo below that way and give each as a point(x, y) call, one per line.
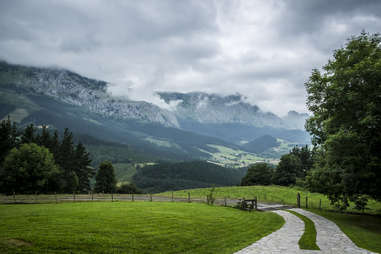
point(262, 49)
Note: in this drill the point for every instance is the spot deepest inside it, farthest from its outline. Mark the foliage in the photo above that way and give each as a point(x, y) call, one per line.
point(8, 138)
point(105, 178)
point(346, 124)
point(73, 160)
point(258, 174)
point(128, 188)
point(308, 239)
point(131, 227)
point(191, 174)
point(288, 170)
point(210, 198)
point(27, 169)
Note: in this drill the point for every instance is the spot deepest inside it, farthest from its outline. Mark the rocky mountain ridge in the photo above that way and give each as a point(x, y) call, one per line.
point(198, 107)
point(71, 88)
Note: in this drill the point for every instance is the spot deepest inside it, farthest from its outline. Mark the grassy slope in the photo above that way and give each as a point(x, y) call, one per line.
point(364, 230)
point(272, 193)
point(125, 227)
point(308, 239)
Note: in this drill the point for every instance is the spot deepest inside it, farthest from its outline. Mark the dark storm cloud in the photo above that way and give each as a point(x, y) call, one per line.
point(262, 49)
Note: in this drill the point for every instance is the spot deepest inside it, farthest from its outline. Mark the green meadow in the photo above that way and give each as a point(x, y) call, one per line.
point(271, 194)
point(130, 227)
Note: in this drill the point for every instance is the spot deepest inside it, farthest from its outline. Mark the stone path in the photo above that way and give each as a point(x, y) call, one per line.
point(330, 238)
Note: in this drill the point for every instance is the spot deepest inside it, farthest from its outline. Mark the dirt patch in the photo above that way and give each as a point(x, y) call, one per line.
point(18, 242)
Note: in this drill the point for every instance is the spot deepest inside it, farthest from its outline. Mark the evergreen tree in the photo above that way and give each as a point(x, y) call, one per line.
point(29, 136)
point(8, 137)
point(44, 139)
point(105, 178)
point(82, 167)
point(65, 158)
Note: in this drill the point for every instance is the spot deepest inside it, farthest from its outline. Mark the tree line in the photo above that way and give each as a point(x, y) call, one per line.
point(37, 160)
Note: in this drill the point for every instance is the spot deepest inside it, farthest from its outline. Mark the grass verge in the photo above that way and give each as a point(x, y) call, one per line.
point(364, 230)
point(308, 239)
point(130, 227)
point(272, 193)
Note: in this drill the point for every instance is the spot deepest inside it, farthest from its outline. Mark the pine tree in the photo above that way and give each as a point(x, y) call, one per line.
point(82, 167)
point(65, 159)
point(105, 178)
point(29, 136)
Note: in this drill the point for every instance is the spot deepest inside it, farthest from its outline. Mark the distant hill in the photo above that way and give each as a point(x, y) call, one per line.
point(261, 144)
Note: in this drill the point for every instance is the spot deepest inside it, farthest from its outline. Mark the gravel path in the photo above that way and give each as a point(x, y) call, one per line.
point(330, 238)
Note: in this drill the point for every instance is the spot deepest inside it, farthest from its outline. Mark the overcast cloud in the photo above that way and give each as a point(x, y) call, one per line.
point(264, 50)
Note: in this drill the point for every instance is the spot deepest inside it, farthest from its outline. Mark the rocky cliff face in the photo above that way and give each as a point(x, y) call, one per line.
point(203, 108)
point(212, 108)
point(71, 88)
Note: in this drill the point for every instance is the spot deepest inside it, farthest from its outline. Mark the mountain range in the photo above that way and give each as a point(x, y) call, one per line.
point(194, 125)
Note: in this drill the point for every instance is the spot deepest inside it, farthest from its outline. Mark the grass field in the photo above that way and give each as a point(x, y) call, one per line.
point(364, 230)
point(130, 227)
point(308, 239)
point(276, 194)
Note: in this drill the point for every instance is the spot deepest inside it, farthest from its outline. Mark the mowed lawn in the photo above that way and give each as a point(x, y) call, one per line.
point(130, 227)
point(273, 193)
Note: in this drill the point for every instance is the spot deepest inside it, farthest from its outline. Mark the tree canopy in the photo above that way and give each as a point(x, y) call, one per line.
point(73, 161)
point(258, 174)
point(27, 169)
point(105, 178)
point(345, 99)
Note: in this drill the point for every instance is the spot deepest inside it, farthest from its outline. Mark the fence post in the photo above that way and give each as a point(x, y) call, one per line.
point(73, 195)
point(55, 195)
point(35, 197)
point(298, 200)
point(132, 197)
point(306, 202)
point(225, 202)
point(320, 204)
point(150, 197)
point(14, 197)
point(92, 195)
point(172, 197)
point(256, 203)
point(189, 197)
point(112, 197)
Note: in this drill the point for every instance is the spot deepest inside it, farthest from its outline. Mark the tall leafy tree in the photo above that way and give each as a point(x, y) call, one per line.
point(288, 170)
point(305, 156)
point(27, 169)
point(345, 99)
point(258, 174)
point(105, 178)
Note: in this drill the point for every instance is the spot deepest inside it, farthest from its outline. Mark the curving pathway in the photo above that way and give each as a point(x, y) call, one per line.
point(330, 238)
